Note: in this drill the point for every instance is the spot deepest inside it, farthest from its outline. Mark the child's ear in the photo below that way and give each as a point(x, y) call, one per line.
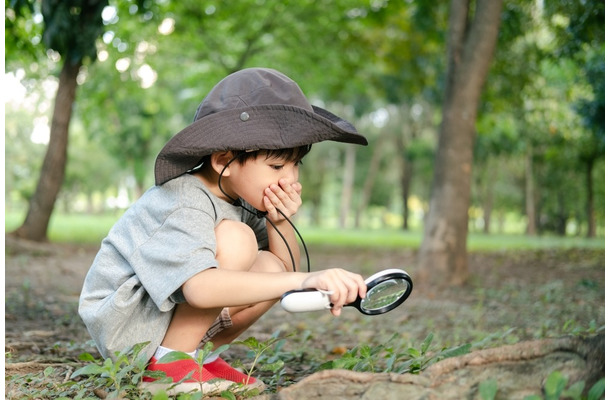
point(219, 161)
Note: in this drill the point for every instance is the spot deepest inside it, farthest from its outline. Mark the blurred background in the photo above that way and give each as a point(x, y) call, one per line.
point(136, 71)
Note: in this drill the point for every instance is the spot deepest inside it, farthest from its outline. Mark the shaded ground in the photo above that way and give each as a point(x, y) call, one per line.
point(510, 297)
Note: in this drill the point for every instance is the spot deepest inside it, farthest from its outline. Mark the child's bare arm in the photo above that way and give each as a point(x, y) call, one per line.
point(215, 288)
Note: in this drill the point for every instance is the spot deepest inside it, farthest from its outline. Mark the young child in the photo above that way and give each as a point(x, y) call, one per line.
point(209, 249)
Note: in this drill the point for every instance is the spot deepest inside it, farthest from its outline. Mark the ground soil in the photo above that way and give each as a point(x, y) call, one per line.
point(510, 296)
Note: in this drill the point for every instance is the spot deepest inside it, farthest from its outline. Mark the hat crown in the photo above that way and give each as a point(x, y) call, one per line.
point(252, 87)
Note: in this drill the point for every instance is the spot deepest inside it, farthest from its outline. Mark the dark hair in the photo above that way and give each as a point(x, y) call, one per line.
point(294, 154)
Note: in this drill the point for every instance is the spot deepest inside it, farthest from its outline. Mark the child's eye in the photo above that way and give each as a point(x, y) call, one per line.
point(277, 166)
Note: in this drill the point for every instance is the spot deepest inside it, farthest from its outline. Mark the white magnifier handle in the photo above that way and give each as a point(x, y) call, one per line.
point(303, 301)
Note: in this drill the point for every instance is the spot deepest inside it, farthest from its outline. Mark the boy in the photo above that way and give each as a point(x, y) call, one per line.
point(209, 249)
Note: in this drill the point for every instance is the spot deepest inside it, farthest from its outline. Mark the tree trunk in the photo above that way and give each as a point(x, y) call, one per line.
point(406, 172)
point(348, 185)
point(530, 195)
point(54, 165)
point(471, 44)
point(370, 180)
point(590, 204)
point(488, 200)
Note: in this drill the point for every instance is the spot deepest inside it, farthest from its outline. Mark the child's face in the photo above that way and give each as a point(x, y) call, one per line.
point(250, 180)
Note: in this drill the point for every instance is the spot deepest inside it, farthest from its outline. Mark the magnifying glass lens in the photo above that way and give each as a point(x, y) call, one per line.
point(384, 294)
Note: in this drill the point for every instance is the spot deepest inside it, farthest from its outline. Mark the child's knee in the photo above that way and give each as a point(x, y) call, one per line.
point(268, 262)
point(236, 246)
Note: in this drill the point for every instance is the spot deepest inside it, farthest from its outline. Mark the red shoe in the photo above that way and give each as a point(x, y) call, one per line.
point(201, 379)
point(222, 369)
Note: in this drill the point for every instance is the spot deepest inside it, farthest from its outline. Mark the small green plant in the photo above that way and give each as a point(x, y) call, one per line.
point(120, 375)
point(410, 360)
point(488, 389)
point(40, 385)
point(200, 357)
point(258, 350)
point(555, 389)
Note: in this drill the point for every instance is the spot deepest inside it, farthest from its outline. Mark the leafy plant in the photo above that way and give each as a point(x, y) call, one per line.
point(199, 358)
point(410, 360)
point(488, 389)
point(258, 350)
point(555, 389)
point(121, 375)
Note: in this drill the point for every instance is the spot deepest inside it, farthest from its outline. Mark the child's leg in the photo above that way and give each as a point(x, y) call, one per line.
point(243, 317)
point(263, 261)
point(236, 249)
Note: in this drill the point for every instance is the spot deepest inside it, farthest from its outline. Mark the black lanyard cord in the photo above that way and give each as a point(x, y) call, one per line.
point(260, 214)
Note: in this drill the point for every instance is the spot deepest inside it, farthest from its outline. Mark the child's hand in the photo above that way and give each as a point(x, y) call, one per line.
point(284, 197)
point(344, 285)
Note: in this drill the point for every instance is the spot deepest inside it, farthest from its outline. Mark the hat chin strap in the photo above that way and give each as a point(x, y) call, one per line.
point(263, 214)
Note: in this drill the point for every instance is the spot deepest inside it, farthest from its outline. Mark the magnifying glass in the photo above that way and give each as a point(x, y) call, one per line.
point(386, 290)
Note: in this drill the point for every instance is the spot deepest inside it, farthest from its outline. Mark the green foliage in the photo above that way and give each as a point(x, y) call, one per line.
point(488, 389)
point(258, 351)
point(367, 56)
point(555, 388)
point(72, 27)
point(394, 357)
point(121, 376)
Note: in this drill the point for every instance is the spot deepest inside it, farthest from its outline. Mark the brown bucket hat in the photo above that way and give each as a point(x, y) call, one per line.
point(252, 109)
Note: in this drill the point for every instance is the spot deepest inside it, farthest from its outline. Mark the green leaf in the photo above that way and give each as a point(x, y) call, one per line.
point(251, 343)
point(554, 385)
point(227, 394)
point(413, 352)
point(219, 350)
point(574, 391)
point(326, 365)
point(203, 353)
point(456, 351)
point(426, 344)
point(86, 357)
point(174, 356)
point(161, 395)
point(48, 371)
point(597, 391)
point(91, 369)
point(273, 367)
point(488, 389)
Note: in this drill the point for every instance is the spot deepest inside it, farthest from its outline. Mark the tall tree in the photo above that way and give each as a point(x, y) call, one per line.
point(70, 29)
point(471, 41)
point(579, 28)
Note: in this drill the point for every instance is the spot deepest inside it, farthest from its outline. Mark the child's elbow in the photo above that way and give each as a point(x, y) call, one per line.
point(195, 293)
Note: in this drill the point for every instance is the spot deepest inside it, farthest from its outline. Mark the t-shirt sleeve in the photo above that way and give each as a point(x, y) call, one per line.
point(184, 245)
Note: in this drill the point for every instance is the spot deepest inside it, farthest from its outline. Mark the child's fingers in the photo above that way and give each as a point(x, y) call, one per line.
point(344, 286)
point(285, 198)
point(348, 289)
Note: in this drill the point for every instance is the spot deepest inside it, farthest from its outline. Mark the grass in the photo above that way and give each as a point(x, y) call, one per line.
point(91, 229)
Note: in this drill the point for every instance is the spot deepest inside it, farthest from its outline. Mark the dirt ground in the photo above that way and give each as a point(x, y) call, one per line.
point(510, 297)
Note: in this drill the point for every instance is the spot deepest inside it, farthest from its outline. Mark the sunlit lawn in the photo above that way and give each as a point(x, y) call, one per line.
point(91, 229)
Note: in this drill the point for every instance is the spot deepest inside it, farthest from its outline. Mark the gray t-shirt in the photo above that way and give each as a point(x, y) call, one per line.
point(161, 241)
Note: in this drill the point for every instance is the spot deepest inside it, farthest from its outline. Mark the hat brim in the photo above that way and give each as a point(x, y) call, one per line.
point(269, 127)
